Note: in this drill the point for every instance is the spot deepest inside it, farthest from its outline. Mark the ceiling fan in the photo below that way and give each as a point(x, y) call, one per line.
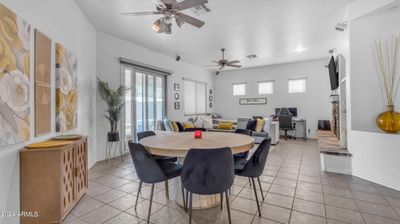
point(222, 63)
point(170, 9)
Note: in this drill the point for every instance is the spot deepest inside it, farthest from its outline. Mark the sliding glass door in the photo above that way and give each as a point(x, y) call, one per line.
point(145, 101)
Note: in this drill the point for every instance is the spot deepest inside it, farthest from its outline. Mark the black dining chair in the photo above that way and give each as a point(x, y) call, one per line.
point(146, 134)
point(242, 155)
point(150, 171)
point(254, 167)
point(206, 172)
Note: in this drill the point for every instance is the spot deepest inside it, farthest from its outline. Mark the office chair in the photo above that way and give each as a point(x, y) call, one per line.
point(285, 121)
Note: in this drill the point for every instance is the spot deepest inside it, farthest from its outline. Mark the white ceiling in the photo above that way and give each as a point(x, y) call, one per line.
point(271, 29)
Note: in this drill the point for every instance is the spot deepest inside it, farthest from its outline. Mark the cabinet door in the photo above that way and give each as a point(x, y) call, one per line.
point(68, 195)
point(81, 169)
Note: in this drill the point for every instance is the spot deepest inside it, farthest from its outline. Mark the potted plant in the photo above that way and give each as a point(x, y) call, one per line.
point(115, 103)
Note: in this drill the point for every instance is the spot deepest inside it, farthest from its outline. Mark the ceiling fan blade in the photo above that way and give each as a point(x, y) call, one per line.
point(215, 61)
point(210, 65)
point(141, 13)
point(234, 62)
point(186, 4)
point(235, 66)
point(191, 20)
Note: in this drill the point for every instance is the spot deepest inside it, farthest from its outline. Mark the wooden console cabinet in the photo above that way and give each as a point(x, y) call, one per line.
point(53, 180)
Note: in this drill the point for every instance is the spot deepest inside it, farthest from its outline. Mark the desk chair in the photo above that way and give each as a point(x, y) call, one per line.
point(285, 123)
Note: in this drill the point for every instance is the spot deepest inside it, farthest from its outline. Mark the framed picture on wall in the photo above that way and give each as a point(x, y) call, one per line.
point(177, 105)
point(176, 86)
point(210, 98)
point(176, 96)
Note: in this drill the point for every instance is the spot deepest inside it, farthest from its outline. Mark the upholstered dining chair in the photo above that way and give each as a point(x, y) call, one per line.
point(242, 155)
point(146, 134)
point(150, 171)
point(254, 167)
point(207, 171)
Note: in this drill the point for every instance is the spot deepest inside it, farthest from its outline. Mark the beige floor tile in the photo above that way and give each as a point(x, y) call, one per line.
point(100, 215)
point(124, 218)
point(279, 200)
point(304, 218)
point(85, 207)
point(275, 213)
point(309, 207)
point(341, 202)
point(344, 215)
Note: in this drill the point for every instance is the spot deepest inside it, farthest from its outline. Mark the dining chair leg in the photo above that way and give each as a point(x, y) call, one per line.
point(259, 184)
point(183, 198)
point(221, 195)
point(187, 200)
point(166, 189)
point(137, 196)
point(250, 181)
point(255, 193)
point(227, 206)
point(190, 207)
point(151, 201)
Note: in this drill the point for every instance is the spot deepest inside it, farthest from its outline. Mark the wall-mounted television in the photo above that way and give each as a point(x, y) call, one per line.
point(333, 75)
point(292, 110)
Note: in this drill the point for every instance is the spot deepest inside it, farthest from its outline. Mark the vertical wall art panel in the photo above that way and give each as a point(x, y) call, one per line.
point(14, 78)
point(66, 92)
point(42, 84)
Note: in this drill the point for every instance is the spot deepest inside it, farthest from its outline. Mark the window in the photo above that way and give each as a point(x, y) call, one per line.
point(297, 85)
point(195, 101)
point(239, 89)
point(265, 87)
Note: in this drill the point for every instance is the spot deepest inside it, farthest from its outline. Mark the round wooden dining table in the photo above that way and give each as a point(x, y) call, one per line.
point(177, 144)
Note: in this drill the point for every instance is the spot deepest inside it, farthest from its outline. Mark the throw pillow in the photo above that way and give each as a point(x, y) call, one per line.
point(168, 125)
point(180, 126)
point(188, 124)
point(267, 125)
point(225, 125)
point(259, 125)
point(198, 123)
point(251, 125)
point(207, 123)
point(175, 126)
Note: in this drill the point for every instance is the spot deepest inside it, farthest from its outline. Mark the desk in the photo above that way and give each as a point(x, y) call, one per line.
point(179, 143)
point(303, 122)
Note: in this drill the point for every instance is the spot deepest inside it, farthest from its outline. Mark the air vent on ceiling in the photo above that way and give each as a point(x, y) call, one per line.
point(251, 56)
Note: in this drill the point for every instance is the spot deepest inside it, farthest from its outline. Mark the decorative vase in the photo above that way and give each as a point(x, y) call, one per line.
point(113, 137)
point(389, 121)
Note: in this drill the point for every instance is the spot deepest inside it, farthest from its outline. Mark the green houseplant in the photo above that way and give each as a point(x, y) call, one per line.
point(115, 103)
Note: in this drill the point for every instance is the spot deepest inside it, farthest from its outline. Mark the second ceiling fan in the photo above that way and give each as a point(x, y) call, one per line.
point(170, 9)
point(222, 63)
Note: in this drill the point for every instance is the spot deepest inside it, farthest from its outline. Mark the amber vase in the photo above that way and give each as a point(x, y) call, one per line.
point(389, 121)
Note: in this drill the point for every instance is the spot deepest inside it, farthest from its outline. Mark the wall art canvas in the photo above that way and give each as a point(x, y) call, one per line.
point(14, 78)
point(42, 84)
point(66, 91)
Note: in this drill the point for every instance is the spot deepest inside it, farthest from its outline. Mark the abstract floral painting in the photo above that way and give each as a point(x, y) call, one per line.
point(42, 84)
point(66, 91)
point(14, 78)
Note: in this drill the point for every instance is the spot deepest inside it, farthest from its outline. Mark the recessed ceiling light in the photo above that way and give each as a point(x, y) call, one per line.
point(299, 49)
point(251, 56)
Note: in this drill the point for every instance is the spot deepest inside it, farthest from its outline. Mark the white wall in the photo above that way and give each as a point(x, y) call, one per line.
point(110, 49)
point(63, 22)
point(313, 105)
point(375, 154)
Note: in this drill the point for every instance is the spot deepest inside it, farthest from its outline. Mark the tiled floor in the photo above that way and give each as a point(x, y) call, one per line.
point(295, 189)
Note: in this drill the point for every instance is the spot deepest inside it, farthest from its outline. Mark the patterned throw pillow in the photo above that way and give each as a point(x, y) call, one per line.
point(168, 125)
point(175, 126)
point(259, 125)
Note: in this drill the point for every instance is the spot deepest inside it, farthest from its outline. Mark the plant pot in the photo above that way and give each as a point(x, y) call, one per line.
point(113, 137)
point(389, 121)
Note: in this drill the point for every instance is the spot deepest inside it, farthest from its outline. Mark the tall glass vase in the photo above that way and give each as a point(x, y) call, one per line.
point(389, 121)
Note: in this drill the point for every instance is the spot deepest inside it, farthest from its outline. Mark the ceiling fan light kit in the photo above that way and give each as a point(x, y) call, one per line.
point(171, 9)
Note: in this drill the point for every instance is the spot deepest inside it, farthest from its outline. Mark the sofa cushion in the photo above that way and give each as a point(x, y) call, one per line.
point(180, 126)
point(187, 125)
point(225, 125)
point(168, 125)
point(251, 125)
point(260, 122)
point(175, 126)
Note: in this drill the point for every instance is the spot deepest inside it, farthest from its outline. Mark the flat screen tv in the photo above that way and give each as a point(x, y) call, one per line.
point(292, 110)
point(333, 75)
